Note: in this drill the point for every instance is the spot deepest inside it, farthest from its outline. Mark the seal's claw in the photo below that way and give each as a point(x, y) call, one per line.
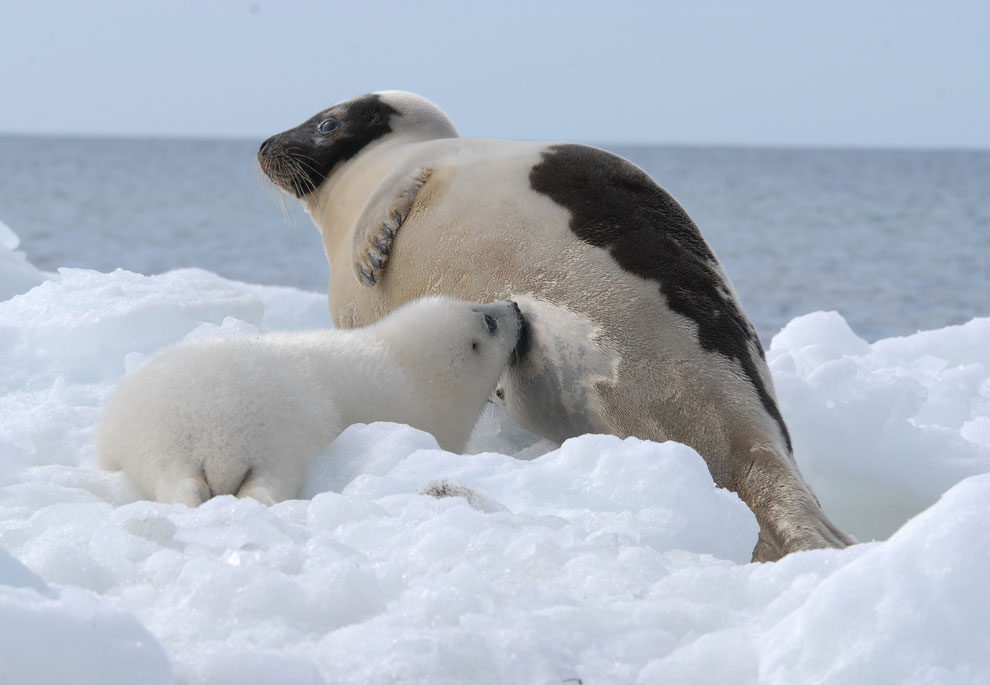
point(371, 262)
point(393, 222)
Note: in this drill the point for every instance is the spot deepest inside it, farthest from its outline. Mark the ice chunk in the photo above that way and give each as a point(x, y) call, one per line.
point(17, 274)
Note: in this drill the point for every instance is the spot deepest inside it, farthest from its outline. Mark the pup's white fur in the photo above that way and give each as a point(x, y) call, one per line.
point(244, 415)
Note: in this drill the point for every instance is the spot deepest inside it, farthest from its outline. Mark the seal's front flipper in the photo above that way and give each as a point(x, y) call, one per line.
point(383, 214)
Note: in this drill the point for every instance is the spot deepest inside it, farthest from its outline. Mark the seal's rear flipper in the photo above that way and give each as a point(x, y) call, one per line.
point(790, 517)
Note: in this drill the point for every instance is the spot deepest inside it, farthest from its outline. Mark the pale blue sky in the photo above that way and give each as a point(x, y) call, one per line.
point(869, 73)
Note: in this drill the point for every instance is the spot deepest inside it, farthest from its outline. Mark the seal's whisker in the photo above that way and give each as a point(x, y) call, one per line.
point(298, 154)
point(290, 168)
point(274, 191)
point(308, 163)
point(298, 179)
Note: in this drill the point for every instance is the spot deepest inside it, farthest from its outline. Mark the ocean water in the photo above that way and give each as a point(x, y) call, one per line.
point(896, 241)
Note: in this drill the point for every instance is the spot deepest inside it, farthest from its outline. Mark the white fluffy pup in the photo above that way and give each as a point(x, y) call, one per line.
point(245, 415)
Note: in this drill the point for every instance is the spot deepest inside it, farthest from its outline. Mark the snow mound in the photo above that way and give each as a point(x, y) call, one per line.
point(49, 636)
point(882, 430)
point(17, 274)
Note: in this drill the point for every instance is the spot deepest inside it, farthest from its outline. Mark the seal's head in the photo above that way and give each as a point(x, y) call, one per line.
point(454, 352)
point(460, 337)
point(301, 159)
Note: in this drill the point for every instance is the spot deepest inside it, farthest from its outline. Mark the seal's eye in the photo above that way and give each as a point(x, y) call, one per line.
point(328, 125)
point(490, 323)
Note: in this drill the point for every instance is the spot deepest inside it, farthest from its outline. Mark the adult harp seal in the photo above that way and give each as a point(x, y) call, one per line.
point(635, 328)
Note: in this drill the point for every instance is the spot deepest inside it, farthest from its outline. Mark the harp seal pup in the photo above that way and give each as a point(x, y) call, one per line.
point(635, 327)
point(243, 416)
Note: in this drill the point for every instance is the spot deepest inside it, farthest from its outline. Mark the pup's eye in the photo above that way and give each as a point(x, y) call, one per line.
point(328, 125)
point(474, 346)
point(490, 323)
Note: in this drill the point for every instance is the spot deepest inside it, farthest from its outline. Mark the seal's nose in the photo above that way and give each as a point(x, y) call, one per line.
point(264, 146)
point(491, 323)
point(522, 334)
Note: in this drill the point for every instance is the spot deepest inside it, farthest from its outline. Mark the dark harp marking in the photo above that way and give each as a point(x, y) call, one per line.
point(616, 206)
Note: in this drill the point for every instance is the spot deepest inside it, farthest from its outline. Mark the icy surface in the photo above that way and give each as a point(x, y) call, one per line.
point(882, 430)
point(54, 636)
point(17, 274)
point(605, 560)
